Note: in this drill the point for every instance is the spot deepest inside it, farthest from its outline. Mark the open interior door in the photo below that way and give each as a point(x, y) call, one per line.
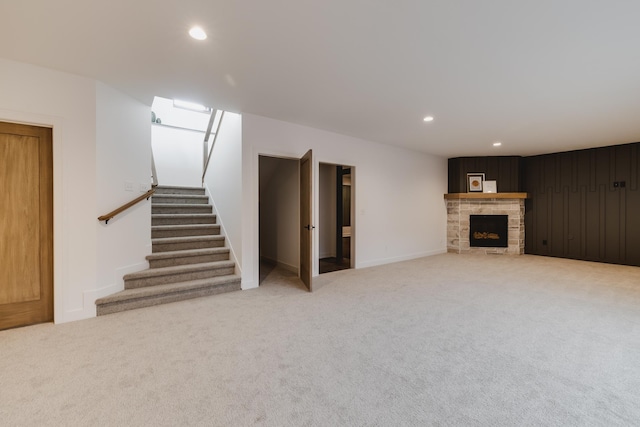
point(306, 226)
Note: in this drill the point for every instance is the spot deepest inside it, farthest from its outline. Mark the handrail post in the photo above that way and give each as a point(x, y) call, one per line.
point(154, 174)
point(207, 135)
point(213, 143)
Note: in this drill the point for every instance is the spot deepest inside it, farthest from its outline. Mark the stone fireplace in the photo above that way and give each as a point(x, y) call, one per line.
point(460, 207)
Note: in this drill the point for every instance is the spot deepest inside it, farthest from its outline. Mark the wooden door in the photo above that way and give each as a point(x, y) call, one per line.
point(306, 226)
point(26, 225)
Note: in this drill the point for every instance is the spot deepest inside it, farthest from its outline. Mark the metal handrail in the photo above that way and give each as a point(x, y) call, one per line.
point(213, 143)
point(126, 206)
point(154, 174)
point(207, 135)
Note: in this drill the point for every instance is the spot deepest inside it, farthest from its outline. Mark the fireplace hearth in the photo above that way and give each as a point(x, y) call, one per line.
point(488, 231)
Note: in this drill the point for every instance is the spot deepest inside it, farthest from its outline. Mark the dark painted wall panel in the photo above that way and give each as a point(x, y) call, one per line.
point(632, 226)
point(505, 170)
point(576, 206)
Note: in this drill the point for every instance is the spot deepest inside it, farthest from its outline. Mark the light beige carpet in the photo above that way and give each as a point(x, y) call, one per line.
point(449, 340)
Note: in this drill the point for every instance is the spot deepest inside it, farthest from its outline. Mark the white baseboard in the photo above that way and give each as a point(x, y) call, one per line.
point(288, 267)
point(89, 297)
point(223, 232)
point(382, 261)
point(248, 284)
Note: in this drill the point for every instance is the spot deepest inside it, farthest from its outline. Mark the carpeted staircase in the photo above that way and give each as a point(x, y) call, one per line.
point(188, 257)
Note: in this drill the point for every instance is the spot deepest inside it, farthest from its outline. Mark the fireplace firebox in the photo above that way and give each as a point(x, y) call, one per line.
point(488, 231)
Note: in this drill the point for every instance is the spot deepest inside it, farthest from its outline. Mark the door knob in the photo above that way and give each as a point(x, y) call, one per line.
point(309, 227)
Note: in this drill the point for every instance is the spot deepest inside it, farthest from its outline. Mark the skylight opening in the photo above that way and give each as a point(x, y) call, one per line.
point(191, 106)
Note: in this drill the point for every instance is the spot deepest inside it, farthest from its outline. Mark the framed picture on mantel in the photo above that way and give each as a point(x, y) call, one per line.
point(474, 182)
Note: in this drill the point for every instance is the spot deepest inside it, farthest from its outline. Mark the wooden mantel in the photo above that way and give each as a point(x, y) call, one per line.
point(451, 196)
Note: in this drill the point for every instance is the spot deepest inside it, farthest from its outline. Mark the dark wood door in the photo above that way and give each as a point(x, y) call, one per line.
point(26, 225)
point(306, 226)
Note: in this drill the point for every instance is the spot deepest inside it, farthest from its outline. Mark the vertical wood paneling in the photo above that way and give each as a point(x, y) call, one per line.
point(633, 173)
point(602, 229)
point(583, 223)
point(530, 238)
point(548, 236)
point(622, 164)
point(556, 220)
point(506, 170)
point(632, 227)
point(612, 226)
point(622, 225)
point(592, 225)
point(582, 162)
point(575, 206)
point(573, 224)
point(612, 167)
point(565, 221)
point(592, 170)
point(602, 168)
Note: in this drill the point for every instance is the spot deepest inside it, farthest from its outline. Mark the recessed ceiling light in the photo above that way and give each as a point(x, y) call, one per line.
point(428, 119)
point(197, 33)
point(497, 144)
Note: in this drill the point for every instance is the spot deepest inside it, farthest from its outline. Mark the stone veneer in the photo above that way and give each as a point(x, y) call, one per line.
point(459, 210)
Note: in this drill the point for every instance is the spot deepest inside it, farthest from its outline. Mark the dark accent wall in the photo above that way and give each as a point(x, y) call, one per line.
point(584, 204)
point(505, 170)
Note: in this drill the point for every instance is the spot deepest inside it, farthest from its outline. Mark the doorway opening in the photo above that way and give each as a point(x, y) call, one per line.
point(279, 207)
point(336, 217)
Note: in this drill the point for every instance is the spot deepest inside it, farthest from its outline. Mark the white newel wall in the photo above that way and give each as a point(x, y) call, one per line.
point(123, 161)
point(224, 183)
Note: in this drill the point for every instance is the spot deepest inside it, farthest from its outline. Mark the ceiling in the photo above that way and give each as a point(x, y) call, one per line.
point(539, 76)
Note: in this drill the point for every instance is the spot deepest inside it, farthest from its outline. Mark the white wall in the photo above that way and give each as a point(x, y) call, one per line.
point(224, 183)
point(399, 207)
point(123, 155)
point(67, 103)
point(327, 210)
point(178, 156)
point(280, 211)
point(81, 157)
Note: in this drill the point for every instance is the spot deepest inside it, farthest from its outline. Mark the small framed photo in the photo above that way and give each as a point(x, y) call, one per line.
point(489, 187)
point(474, 182)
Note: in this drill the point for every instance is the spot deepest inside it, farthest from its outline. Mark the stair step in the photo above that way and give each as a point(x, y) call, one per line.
point(180, 199)
point(161, 294)
point(170, 244)
point(173, 208)
point(167, 259)
point(180, 273)
point(162, 231)
point(182, 219)
point(168, 189)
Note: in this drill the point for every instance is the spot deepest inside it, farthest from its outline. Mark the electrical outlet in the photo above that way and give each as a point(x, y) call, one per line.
point(128, 186)
point(143, 188)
